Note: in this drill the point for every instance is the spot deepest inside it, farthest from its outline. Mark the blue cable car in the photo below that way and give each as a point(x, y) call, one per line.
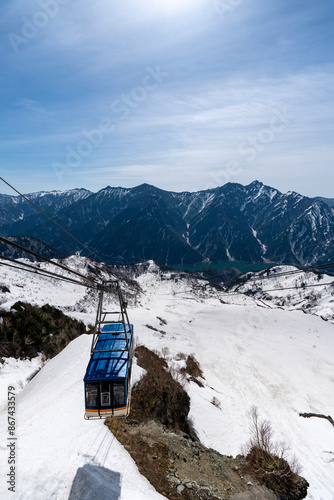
point(108, 375)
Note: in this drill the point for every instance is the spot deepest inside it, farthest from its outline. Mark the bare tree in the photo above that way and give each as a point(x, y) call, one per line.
point(267, 458)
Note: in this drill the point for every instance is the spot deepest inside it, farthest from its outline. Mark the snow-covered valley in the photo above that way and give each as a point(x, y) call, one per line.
point(252, 351)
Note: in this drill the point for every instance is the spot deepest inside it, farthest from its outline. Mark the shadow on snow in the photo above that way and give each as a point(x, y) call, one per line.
point(92, 481)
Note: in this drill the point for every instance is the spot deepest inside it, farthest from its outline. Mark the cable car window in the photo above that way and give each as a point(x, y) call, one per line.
point(105, 398)
point(105, 394)
point(91, 395)
point(119, 394)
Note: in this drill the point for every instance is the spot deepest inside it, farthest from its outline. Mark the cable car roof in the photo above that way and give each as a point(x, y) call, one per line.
point(113, 364)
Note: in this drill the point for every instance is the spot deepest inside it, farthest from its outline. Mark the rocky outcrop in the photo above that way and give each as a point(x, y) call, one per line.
point(180, 467)
point(161, 439)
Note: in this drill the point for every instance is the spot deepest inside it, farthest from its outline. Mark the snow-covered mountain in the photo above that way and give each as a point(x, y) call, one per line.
point(252, 351)
point(18, 217)
point(16, 208)
point(329, 201)
point(254, 223)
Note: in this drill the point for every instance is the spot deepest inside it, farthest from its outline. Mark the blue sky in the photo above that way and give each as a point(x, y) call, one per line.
point(182, 94)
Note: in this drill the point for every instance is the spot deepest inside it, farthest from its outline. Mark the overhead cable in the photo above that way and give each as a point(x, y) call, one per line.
point(46, 215)
point(16, 245)
point(62, 228)
point(40, 272)
point(300, 287)
point(275, 275)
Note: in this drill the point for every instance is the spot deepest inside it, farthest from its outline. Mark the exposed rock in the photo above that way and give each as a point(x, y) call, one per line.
point(181, 467)
point(167, 451)
point(255, 493)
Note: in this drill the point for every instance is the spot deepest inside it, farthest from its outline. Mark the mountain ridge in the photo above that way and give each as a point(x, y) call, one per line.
point(252, 223)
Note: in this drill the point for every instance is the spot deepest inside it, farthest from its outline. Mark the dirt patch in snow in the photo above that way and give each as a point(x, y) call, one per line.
point(181, 467)
point(163, 443)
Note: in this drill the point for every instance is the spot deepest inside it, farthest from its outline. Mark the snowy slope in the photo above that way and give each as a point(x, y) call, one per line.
point(281, 361)
point(54, 440)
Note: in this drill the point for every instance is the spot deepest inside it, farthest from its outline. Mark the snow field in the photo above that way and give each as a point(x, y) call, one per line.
point(280, 361)
point(54, 440)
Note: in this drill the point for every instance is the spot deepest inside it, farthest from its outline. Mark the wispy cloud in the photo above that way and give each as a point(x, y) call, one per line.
point(29, 105)
point(227, 76)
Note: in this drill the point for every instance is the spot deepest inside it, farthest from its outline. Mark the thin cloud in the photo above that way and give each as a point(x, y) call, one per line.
point(227, 77)
point(29, 105)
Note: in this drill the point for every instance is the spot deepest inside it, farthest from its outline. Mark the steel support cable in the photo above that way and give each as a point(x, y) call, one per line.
point(67, 269)
point(22, 269)
point(322, 266)
point(301, 287)
point(57, 224)
point(286, 273)
point(46, 275)
point(18, 268)
point(304, 269)
point(298, 287)
point(49, 274)
point(42, 272)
